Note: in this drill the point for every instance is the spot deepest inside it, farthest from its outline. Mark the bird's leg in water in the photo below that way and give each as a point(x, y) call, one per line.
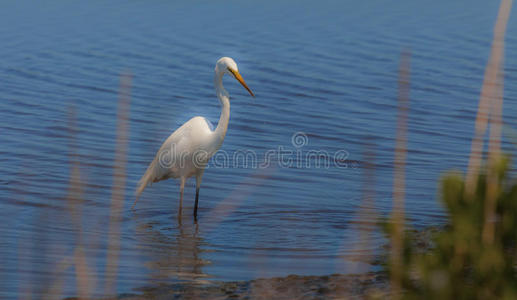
point(199, 176)
point(182, 186)
point(195, 205)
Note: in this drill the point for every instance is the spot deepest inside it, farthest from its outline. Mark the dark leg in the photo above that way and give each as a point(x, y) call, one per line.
point(199, 176)
point(195, 204)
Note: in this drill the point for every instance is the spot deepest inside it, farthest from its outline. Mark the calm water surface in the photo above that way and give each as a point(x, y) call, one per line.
point(327, 69)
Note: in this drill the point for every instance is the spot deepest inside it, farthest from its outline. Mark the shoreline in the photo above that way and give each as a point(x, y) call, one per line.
point(350, 286)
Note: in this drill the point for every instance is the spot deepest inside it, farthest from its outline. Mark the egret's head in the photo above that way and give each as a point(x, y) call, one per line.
point(226, 65)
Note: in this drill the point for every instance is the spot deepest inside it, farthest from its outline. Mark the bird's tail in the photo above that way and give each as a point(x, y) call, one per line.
point(144, 182)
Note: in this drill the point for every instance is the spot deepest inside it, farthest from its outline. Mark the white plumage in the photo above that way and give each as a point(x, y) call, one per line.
point(187, 150)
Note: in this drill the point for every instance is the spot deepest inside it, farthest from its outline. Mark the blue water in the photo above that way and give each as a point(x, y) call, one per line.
point(325, 70)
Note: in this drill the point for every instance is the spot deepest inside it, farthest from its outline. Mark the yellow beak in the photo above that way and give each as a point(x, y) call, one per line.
point(239, 79)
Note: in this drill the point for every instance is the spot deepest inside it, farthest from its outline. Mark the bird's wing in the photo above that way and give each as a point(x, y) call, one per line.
point(186, 139)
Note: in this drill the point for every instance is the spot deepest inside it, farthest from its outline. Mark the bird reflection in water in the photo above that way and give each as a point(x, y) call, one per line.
point(174, 253)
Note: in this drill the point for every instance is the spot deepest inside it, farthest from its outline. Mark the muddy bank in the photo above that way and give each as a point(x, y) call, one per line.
point(290, 287)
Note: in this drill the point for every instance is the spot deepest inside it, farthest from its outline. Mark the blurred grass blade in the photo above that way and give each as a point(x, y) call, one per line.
point(365, 218)
point(488, 103)
point(496, 99)
point(397, 218)
point(119, 182)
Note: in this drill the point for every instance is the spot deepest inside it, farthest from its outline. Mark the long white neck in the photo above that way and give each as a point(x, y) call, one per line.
point(224, 98)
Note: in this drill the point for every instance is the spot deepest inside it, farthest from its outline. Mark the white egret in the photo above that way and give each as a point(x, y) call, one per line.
point(188, 149)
